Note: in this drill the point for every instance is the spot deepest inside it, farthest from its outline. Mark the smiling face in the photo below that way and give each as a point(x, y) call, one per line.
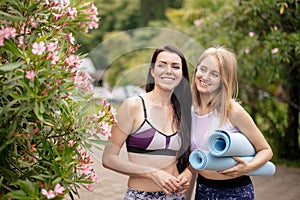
point(208, 77)
point(167, 71)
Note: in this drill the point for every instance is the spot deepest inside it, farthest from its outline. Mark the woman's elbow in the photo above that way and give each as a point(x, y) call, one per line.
point(105, 160)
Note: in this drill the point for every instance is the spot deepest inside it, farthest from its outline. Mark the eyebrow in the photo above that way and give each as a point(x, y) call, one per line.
point(201, 65)
point(175, 63)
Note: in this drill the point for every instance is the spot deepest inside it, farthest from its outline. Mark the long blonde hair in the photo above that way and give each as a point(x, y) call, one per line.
point(220, 101)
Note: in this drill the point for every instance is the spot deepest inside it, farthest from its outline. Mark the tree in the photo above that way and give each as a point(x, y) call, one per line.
point(265, 36)
point(276, 25)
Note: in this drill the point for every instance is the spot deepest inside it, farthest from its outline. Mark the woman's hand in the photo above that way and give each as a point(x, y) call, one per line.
point(238, 170)
point(166, 181)
point(185, 180)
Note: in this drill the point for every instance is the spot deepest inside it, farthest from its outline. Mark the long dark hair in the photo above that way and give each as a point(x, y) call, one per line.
point(181, 100)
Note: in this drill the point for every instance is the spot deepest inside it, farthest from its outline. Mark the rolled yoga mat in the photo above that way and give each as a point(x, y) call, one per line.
point(222, 143)
point(203, 160)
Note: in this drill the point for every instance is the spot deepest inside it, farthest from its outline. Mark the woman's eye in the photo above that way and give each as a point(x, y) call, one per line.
point(202, 69)
point(161, 65)
point(216, 75)
point(176, 66)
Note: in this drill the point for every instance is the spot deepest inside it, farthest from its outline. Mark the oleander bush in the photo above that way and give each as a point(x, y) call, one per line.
point(48, 115)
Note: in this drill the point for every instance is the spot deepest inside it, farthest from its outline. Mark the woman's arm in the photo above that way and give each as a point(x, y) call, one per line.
point(126, 123)
point(245, 124)
point(119, 133)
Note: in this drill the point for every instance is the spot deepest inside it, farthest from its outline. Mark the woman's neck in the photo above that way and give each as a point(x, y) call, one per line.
point(205, 106)
point(160, 98)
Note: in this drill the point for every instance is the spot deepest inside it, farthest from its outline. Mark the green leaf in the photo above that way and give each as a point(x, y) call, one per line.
point(18, 194)
point(6, 143)
point(41, 177)
point(11, 66)
point(9, 17)
point(57, 180)
point(19, 97)
point(26, 186)
point(36, 111)
point(11, 46)
point(42, 108)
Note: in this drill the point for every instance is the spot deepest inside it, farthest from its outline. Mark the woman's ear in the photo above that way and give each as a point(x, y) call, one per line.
point(151, 71)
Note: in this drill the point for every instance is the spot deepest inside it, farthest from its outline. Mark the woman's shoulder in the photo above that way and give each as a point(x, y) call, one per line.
point(236, 109)
point(131, 103)
point(237, 112)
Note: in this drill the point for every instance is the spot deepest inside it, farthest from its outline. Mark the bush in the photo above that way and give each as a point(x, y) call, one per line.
point(46, 100)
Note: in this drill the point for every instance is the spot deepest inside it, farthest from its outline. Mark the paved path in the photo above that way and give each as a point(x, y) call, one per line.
point(284, 185)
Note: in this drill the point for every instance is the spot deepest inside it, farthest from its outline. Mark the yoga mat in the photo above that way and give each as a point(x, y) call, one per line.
point(222, 143)
point(203, 160)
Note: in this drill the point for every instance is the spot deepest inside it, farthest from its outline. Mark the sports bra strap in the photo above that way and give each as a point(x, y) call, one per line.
point(144, 107)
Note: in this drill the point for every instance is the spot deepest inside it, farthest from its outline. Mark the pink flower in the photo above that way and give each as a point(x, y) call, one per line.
point(52, 46)
point(30, 75)
point(65, 3)
point(251, 34)
point(49, 194)
point(73, 61)
point(1, 40)
point(105, 129)
point(71, 13)
point(25, 29)
point(94, 178)
point(70, 38)
point(87, 170)
point(5, 32)
point(38, 48)
point(58, 189)
point(20, 41)
point(275, 50)
point(247, 51)
point(53, 56)
point(198, 22)
point(89, 187)
point(57, 16)
point(71, 143)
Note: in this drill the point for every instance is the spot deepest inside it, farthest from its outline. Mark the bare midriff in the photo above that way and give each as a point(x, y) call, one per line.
point(213, 175)
point(159, 162)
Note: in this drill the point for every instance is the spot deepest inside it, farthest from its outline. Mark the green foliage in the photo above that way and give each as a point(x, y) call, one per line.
point(115, 16)
point(46, 100)
point(265, 36)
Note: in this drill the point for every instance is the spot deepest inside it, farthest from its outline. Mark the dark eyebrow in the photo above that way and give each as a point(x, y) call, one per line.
point(164, 62)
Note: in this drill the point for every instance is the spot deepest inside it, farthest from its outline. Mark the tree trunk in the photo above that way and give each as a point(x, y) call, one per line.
point(292, 133)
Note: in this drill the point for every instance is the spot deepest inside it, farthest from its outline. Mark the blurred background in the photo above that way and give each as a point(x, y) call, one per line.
point(265, 35)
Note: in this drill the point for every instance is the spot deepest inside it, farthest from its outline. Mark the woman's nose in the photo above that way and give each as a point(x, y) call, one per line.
point(202, 74)
point(169, 68)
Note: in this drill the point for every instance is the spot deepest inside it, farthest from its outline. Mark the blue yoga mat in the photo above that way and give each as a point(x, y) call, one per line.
point(204, 160)
point(222, 143)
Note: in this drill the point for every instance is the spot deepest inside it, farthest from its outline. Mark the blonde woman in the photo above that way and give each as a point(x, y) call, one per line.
point(214, 107)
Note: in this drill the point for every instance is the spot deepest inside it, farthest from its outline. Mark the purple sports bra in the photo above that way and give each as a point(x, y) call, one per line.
point(147, 139)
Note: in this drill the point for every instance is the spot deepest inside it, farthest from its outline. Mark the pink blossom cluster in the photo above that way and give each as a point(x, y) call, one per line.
point(51, 194)
point(101, 122)
point(82, 80)
point(30, 75)
point(92, 12)
point(73, 61)
point(86, 169)
point(60, 9)
point(50, 49)
point(6, 33)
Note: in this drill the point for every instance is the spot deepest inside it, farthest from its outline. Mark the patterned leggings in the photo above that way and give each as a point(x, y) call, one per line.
point(141, 195)
point(240, 193)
